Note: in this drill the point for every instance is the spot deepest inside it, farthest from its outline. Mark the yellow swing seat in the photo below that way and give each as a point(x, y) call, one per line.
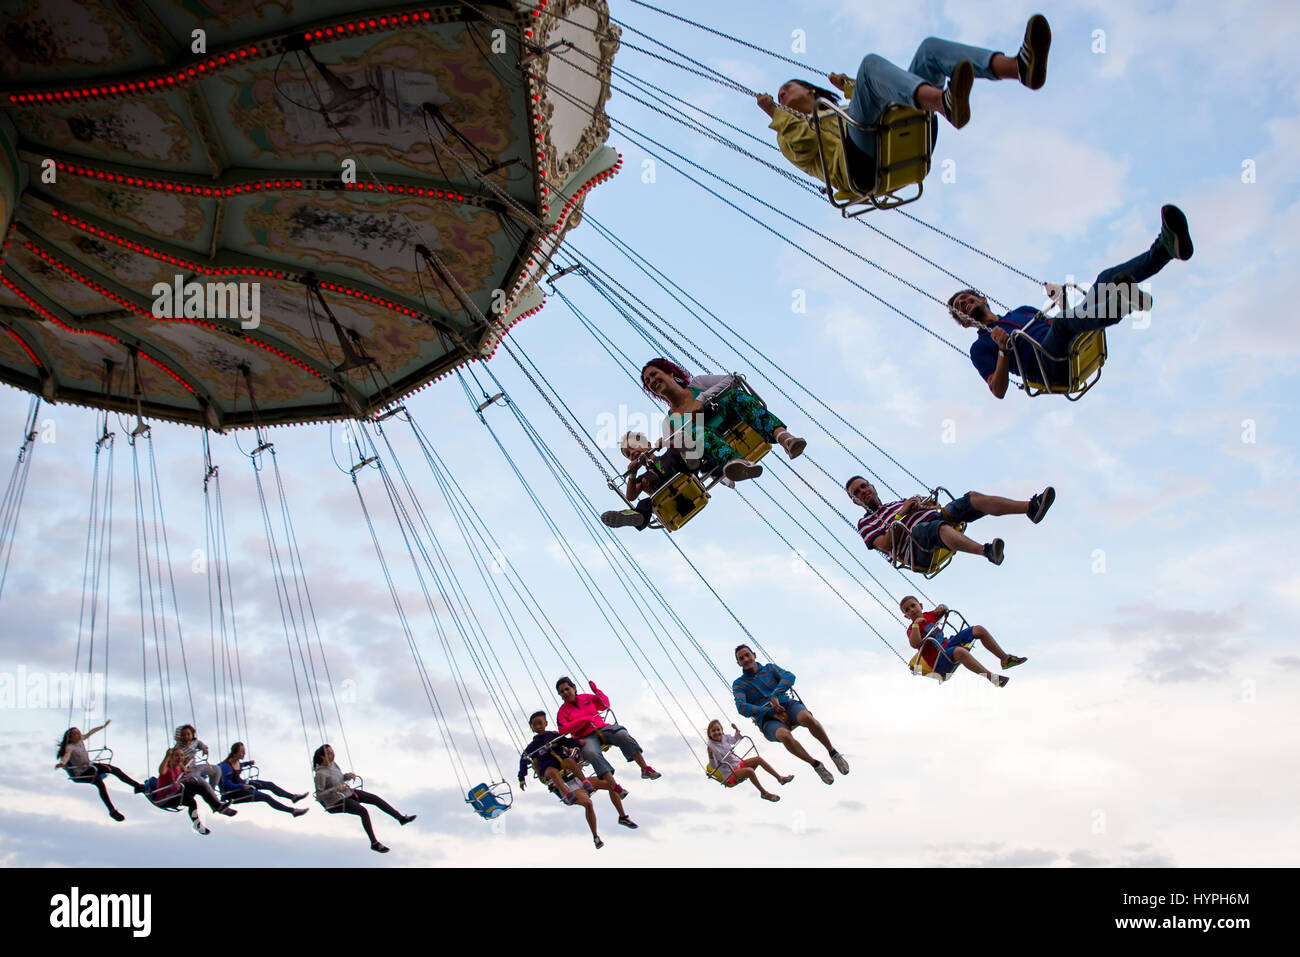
point(904, 138)
point(905, 554)
point(1087, 356)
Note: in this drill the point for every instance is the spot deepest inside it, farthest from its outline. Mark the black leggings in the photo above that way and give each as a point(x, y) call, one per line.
point(190, 790)
point(253, 792)
point(95, 777)
point(352, 805)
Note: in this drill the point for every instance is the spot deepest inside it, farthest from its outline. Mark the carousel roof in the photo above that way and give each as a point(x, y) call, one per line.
point(327, 205)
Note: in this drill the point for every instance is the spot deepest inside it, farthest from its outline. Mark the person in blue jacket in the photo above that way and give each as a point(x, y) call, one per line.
point(236, 790)
point(762, 695)
point(1113, 296)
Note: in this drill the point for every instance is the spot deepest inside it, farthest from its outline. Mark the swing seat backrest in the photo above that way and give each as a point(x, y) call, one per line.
point(1087, 356)
point(904, 139)
point(939, 558)
point(747, 443)
point(485, 802)
point(926, 660)
point(150, 784)
point(665, 501)
point(716, 774)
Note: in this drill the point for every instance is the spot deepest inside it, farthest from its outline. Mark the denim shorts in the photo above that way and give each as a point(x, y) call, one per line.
point(925, 535)
point(771, 725)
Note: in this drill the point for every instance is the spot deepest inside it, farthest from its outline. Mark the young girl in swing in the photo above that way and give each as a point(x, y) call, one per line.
point(732, 769)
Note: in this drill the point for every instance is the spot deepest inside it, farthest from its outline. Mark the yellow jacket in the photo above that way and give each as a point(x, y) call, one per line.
point(795, 137)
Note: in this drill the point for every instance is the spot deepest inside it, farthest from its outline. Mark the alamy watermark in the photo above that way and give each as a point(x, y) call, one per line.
point(50, 689)
point(211, 300)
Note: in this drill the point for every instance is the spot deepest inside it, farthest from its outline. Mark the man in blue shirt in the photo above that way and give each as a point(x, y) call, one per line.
point(763, 695)
point(1113, 296)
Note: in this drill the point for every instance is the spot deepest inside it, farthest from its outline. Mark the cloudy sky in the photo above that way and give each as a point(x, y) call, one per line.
point(1153, 724)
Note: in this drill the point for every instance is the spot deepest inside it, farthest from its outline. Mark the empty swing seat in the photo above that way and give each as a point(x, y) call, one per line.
point(487, 802)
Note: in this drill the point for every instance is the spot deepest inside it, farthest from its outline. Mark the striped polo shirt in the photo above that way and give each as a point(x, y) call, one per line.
point(875, 523)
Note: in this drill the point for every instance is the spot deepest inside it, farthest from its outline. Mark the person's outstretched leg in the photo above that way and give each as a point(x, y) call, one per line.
point(608, 783)
point(760, 762)
point(951, 538)
point(113, 812)
point(272, 787)
point(267, 799)
point(121, 776)
point(587, 809)
point(878, 85)
point(201, 789)
point(935, 60)
point(791, 744)
point(963, 657)
point(998, 505)
point(365, 797)
point(986, 639)
point(807, 720)
point(1104, 304)
point(353, 806)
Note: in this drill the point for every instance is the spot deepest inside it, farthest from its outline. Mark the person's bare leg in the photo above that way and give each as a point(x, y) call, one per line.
point(997, 505)
point(982, 633)
point(640, 760)
point(1004, 67)
point(762, 763)
point(588, 810)
point(929, 98)
point(813, 725)
point(955, 540)
point(752, 775)
point(964, 657)
point(614, 799)
point(787, 739)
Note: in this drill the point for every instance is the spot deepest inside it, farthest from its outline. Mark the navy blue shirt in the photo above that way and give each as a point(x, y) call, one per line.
point(984, 351)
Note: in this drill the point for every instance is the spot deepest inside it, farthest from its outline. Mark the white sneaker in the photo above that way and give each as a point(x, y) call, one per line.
point(824, 773)
point(840, 763)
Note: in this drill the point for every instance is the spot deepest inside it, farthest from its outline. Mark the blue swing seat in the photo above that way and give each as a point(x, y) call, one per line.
point(491, 801)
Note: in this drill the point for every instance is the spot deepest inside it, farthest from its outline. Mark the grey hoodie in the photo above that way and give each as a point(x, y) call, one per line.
point(328, 779)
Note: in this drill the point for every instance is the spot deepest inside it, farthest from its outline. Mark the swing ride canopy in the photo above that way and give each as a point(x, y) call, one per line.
point(310, 150)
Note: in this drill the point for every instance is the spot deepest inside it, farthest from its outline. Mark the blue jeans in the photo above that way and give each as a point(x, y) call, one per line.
point(880, 84)
point(1091, 314)
point(613, 734)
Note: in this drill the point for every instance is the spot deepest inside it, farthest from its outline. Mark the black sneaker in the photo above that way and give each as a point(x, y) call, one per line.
point(405, 819)
point(376, 846)
point(627, 518)
point(595, 839)
point(956, 99)
point(1040, 503)
point(1031, 62)
point(993, 551)
point(1173, 233)
point(117, 815)
point(627, 822)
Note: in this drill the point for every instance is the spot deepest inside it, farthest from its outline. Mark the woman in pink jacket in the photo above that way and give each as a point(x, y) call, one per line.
point(580, 717)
